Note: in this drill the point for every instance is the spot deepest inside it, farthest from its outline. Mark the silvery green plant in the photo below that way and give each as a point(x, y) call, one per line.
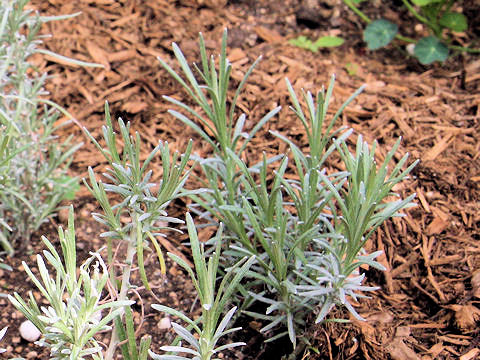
point(38, 172)
point(203, 334)
point(308, 257)
point(229, 136)
point(74, 314)
point(142, 206)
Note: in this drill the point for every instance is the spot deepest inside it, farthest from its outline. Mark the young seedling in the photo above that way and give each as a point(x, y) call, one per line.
point(203, 334)
point(144, 208)
point(70, 322)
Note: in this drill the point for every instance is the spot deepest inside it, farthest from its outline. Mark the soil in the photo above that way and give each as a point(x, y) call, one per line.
point(429, 302)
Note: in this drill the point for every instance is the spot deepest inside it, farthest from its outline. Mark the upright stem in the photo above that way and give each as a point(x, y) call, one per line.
point(131, 250)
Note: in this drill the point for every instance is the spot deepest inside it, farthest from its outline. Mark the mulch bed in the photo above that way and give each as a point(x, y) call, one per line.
point(428, 305)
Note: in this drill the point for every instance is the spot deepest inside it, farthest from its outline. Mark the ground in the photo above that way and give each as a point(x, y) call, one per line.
point(428, 304)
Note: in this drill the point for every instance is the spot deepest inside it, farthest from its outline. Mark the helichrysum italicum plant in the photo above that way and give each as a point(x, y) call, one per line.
point(208, 328)
point(73, 315)
point(307, 259)
point(38, 172)
point(143, 206)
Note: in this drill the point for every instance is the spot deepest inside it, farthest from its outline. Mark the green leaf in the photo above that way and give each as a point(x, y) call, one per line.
point(323, 42)
point(379, 33)
point(352, 68)
point(328, 41)
point(454, 21)
point(423, 2)
point(430, 49)
point(304, 43)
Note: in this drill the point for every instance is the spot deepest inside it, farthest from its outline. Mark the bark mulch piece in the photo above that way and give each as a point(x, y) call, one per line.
point(428, 305)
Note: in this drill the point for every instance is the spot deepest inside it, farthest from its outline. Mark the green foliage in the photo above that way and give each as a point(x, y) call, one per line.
point(352, 68)
point(430, 49)
point(454, 21)
point(306, 258)
point(36, 178)
point(213, 300)
point(294, 244)
point(72, 318)
point(322, 42)
point(379, 33)
point(436, 15)
point(129, 180)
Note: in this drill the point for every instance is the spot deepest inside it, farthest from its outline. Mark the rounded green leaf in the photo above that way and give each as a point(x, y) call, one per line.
point(329, 41)
point(379, 33)
point(454, 21)
point(430, 49)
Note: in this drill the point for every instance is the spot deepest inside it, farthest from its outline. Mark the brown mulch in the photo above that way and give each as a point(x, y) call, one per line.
point(428, 305)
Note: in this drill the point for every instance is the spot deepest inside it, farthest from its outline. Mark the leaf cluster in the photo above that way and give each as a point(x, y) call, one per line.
point(441, 17)
point(306, 235)
point(73, 317)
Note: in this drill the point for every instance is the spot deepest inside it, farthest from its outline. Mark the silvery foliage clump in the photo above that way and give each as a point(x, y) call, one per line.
point(74, 314)
point(307, 235)
point(202, 335)
point(137, 218)
point(38, 171)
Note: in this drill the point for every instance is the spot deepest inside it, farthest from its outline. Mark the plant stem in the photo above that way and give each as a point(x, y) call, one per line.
point(131, 250)
point(465, 49)
point(366, 19)
point(416, 14)
point(357, 11)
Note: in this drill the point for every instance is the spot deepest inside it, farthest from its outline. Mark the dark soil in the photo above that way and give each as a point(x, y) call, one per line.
point(428, 305)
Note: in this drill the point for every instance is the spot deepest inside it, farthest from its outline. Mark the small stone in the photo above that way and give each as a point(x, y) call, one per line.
point(63, 215)
point(164, 323)
point(173, 271)
point(85, 214)
point(410, 48)
point(32, 355)
point(29, 332)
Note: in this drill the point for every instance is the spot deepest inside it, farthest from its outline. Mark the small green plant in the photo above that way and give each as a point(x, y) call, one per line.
point(70, 323)
point(37, 174)
point(439, 16)
point(145, 210)
point(73, 317)
point(208, 327)
point(323, 42)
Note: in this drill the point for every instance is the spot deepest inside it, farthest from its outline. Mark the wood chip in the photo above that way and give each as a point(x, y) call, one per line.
point(439, 147)
point(470, 355)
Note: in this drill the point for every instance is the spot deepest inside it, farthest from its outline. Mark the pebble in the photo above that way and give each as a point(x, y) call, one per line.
point(32, 355)
point(164, 323)
point(410, 49)
point(29, 332)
